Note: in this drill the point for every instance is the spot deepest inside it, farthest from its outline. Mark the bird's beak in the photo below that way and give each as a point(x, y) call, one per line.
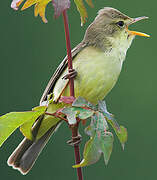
point(135, 32)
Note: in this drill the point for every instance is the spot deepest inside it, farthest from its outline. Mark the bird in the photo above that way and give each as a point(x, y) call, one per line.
point(97, 63)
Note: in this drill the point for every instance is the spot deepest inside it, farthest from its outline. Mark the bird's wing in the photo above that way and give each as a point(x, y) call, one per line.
point(59, 70)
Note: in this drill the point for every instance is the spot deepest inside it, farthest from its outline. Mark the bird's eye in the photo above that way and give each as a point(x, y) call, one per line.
point(120, 23)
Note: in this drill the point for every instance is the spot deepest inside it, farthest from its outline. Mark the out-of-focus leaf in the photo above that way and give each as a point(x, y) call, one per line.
point(60, 6)
point(27, 126)
point(71, 115)
point(11, 121)
point(106, 144)
point(81, 102)
point(16, 3)
point(89, 2)
point(82, 10)
point(29, 3)
point(39, 9)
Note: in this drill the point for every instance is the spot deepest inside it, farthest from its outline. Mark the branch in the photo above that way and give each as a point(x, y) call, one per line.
point(74, 129)
point(70, 66)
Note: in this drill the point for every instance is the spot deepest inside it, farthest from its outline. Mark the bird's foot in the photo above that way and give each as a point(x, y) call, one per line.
point(75, 140)
point(72, 74)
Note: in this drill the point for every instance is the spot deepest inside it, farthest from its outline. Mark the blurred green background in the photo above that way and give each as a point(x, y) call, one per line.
point(31, 51)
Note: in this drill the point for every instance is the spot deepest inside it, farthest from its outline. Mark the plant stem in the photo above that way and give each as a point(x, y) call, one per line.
point(74, 129)
point(67, 36)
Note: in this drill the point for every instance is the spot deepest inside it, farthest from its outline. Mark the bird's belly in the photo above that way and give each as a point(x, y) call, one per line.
point(97, 73)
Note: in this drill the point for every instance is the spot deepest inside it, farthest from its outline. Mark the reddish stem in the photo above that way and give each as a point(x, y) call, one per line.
point(67, 36)
point(74, 129)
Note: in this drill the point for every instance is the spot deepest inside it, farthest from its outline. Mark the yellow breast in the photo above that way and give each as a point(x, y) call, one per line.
point(97, 74)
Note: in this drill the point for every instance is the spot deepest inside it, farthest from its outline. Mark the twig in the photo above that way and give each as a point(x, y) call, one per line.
point(74, 129)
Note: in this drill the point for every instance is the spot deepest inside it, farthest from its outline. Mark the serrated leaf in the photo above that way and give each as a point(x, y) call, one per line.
point(60, 6)
point(81, 102)
point(71, 115)
point(99, 143)
point(82, 10)
point(106, 144)
point(11, 121)
point(91, 153)
point(27, 126)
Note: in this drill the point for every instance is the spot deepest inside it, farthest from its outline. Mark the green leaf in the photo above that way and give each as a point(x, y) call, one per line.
point(120, 131)
point(11, 121)
point(82, 113)
point(49, 120)
point(81, 102)
point(110, 118)
point(27, 126)
point(71, 115)
point(99, 143)
point(41, 109)
point(89, 130)
point(99, 122)
point(46, 124)
point(106, 144)
point(122, 135)
point(91, 152)
point(82, 10)
point(103, 108)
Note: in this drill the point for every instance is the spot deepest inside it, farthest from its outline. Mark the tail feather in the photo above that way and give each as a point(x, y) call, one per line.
point(25, 155)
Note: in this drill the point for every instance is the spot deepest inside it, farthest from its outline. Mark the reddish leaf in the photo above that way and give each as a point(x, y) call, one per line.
point(60, 6)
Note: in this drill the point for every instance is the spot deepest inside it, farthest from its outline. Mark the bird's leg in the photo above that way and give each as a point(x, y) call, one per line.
point(71, 74)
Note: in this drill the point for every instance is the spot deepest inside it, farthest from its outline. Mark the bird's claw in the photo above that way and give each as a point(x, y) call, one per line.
point(71, 74)
point(75, 140)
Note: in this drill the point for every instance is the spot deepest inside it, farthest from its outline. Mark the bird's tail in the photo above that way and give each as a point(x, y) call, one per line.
point(25, 155)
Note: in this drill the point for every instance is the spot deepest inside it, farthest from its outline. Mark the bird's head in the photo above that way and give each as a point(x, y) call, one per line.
point(110, 28)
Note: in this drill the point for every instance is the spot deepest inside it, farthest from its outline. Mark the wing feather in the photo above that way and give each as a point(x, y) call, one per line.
point(59, 70)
